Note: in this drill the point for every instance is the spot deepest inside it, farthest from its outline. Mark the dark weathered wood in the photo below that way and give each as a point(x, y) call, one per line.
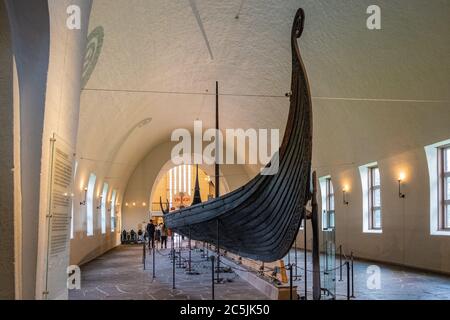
point(197, 196)
point(216, 165)
point(261, 219)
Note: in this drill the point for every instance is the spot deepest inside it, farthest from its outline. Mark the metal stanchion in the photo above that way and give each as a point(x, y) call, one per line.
point(218, 252)
point(190, 271)
point(289, 256)
point(296, 260)
point(290, 282)
point(212, 276)
point(348, 279)
point(173, 261)
point(190, 251)
point(203, 255)
point(340, 262)
point(353, 283)
point(144, 251)
point(179, 263)
point(306, 258)
point(154, 263)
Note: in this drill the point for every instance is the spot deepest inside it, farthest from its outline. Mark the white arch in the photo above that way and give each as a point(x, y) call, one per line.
point(224, 188)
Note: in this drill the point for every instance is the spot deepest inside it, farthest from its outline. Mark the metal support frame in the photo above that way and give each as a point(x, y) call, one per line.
point(173, 261)
point(212, 277)
point(352, 279)
point(144, 251)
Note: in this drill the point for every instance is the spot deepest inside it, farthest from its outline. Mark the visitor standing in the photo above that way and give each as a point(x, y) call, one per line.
point(151, 234)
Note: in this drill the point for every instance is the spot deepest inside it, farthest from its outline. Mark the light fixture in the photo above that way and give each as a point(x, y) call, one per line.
point(144, 204)
point(126, 204)
point(344, 198)
point(401, 177)
point(83, 203)
point(134, 204)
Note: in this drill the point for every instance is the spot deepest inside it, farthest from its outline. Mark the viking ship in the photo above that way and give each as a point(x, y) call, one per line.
point(261, 219)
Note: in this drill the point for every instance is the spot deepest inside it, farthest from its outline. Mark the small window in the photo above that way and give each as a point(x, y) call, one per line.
point(113, 211)
point(374, 198)
point(444, 188)
point(327, 195)
point(329, 204)
point(103, 207)
point(438, 160)
point(90, 205)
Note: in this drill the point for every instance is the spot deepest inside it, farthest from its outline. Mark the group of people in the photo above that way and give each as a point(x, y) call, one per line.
point(157, 233)
point(154, 234)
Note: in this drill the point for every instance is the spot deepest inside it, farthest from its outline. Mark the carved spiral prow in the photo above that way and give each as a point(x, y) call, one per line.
point(165, 211)
point(299, 23)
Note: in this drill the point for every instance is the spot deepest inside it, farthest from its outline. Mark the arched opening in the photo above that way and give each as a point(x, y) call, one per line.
point(177, 185)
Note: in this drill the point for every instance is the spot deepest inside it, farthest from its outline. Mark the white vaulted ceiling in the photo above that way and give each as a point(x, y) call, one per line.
point(375, 92)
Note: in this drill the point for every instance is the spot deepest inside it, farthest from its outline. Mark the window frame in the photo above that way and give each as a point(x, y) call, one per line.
point(103, 208)
point(329, 199)
point(372, 188)
point(113, 212)
point(443, 223)
point(90, 196)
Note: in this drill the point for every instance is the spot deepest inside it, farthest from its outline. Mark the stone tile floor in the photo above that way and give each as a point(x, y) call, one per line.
point(396, 283)
point(119, 275)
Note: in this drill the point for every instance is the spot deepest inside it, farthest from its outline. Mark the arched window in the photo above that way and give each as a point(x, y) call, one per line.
point(90, 205)
point(177, 186)
point(113, 210)
point(103, 207)
point(328, 211)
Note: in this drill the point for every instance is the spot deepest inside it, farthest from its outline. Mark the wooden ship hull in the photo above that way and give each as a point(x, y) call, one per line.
point(261, 219)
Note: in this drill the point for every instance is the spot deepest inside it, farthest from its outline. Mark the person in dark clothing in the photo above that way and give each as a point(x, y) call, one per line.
point(124, 236)
point(163, 236)
point(151, 234)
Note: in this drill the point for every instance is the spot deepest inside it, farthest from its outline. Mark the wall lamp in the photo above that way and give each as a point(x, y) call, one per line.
point(83, 203)
point(344, 197)
point(400, 180)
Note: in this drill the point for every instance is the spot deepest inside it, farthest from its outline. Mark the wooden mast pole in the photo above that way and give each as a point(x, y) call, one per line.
point(217, 177)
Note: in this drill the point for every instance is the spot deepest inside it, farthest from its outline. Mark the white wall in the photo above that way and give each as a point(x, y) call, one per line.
point(67, 48)
point(405, 237)
point(30, 33)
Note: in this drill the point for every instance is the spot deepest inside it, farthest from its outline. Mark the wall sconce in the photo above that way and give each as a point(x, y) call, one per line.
point(344, 197)
point(126, 204)
point(400, 180)
point(83, 203)
point(134, 204)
